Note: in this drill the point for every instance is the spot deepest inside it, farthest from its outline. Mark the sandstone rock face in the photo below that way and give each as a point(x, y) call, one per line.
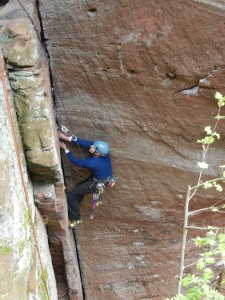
point(141, 75)
point(26, 266)
point(30, 80)
point(28, 258)
point(50, 200)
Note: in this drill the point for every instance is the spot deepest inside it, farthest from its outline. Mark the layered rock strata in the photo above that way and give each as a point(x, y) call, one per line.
point(141, 75)
point(25, 260)
point(28, 74)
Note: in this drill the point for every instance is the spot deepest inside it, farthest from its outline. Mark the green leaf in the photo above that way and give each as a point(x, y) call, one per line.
point(187, 280)
point(218, 96)
point(200, 264)
point(221, 247)
point(210, 238)
point(217, 135)
point(207, 185)
point(215, 295)
point(218, 117)
point(214, 209)
point(210, 232)
point(198, 241)
point(208, 254)
point(208, 129)
point(200, 141)
point(218, 187)
point(209, 140)
point(221, 237)
point(208, 273)
point(194, 293)
point(210, 260)
point(202, 165)
point(221, 102)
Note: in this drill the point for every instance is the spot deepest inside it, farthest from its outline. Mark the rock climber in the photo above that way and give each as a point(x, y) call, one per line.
point(99, 163)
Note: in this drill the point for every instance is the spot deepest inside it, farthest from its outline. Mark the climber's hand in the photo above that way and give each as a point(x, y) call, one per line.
point(62, 145)
point(63, 136)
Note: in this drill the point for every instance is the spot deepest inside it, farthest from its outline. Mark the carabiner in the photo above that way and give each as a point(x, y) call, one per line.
point(64, 129)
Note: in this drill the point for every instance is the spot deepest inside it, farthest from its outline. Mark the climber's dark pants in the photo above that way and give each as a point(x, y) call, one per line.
point(76, 196)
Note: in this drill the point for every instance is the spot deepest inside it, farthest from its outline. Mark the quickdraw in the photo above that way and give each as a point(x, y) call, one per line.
point(64, 129)
point(99, 191)
point(97, 197)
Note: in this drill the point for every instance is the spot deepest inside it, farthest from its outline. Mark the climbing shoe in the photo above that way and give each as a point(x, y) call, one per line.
point(74, 223)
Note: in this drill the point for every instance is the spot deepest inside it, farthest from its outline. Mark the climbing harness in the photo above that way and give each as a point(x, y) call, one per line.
point(97, 197)
point(99, 191)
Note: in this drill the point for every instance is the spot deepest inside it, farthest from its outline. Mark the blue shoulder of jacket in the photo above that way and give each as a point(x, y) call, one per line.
point(84, 143)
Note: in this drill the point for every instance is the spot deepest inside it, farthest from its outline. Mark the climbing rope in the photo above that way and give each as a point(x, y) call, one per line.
point(21, 172)
point(55, 85)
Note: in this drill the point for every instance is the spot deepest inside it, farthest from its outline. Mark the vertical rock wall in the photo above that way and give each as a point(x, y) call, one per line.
point(140, 74)
point(24, 274)
point(31, 102)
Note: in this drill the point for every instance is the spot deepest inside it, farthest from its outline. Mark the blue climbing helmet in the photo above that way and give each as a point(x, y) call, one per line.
point(101, 148)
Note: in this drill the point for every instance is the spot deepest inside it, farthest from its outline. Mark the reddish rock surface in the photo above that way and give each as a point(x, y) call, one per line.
point(50, 200)
point(126, 70)
point(142, 76)
point(28, 74)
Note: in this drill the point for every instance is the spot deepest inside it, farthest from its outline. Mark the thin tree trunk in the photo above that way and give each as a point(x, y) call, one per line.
point(183, 244)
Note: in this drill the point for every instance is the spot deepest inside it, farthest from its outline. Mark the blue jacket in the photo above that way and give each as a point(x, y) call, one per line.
point(101, 167)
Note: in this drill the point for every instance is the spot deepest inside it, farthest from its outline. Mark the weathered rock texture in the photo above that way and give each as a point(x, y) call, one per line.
point(141, 75)
point(27, 71)
point(25, 261)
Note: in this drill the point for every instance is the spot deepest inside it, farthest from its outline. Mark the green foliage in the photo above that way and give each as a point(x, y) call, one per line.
point(208, 185)
point(218, 117)
point(209, 139)
point(199, 286)
point(203, 165)
point(220, 98)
